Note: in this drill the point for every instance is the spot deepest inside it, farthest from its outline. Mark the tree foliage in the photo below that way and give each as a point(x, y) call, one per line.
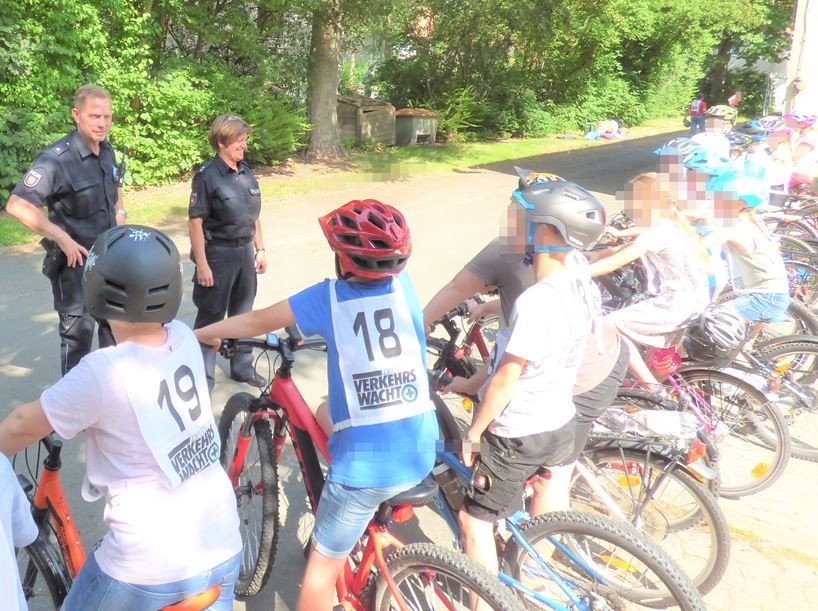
point(489, 67)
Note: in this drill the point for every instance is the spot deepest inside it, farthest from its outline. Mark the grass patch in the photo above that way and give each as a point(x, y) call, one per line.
point(165, 205)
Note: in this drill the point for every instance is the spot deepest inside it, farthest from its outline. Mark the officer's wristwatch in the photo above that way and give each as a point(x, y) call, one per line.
point(122, 213)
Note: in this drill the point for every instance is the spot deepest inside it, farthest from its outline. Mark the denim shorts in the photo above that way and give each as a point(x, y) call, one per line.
point(94, 589)
point(344, 513)
point(762, 307)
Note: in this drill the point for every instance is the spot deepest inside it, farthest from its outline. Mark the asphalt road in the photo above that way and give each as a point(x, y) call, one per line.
point(451, 216)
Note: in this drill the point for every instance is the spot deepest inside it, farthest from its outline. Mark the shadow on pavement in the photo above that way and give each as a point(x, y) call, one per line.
point(598, 168)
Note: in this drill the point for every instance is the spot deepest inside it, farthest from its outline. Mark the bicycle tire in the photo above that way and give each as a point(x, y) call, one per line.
point(256, 563)
point(801, 419)
point(575, 527)
point(415, 566)
point(792, 245)
point(41, 562)
point(644, 399)
point(447, 425)
point(732, 420)
point(681, 515)
point(803, 280)
point(802, 320)
point(798, 229)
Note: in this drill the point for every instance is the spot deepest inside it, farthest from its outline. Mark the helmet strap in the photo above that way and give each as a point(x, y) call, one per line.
point(339, 270)
point(531, 247)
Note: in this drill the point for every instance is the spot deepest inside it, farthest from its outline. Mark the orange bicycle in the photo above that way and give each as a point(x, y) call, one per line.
point(49, 565)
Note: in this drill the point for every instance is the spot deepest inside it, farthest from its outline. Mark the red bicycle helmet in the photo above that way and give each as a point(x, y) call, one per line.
point(371, 239)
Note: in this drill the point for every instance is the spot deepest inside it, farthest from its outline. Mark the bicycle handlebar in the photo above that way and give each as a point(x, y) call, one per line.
point(284, 345)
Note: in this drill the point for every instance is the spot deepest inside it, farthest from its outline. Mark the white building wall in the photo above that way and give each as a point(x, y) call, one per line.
point(803, 60)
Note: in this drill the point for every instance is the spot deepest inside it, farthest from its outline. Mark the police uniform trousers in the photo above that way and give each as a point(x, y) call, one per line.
point(76, 324)
point(233, 292)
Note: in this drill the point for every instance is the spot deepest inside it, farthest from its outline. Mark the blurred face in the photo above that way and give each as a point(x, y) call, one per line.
point(645, 203)
point(93, 119)
point(234, 152)
point(725, 209)
point(513, 227)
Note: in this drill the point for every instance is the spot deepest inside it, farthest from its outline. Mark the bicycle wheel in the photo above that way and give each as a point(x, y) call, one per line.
point(607, 563)
point(43, 575)
point(798, 228)
point(798, 363)
point(256, 492)
point(749, 431)
point(791, 246)
point(431, 577)
point(663, 501)
point(803, 280)
point(643, 399)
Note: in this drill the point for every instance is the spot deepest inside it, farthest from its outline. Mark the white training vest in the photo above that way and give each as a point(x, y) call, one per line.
point(172, 406)
point(379, 358)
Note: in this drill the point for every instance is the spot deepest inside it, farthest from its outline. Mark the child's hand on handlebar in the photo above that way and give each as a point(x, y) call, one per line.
point(215, 343)
point(480, 311)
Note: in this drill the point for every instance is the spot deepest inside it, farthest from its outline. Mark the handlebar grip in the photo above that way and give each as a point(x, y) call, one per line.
point(294, 333)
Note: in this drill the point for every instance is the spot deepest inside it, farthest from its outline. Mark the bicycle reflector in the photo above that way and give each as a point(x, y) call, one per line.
point(468, 405)
point(403, 513)
point(696, 451)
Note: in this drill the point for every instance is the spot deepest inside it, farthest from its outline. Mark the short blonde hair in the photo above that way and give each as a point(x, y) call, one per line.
point(226, 129)
point(88, 91)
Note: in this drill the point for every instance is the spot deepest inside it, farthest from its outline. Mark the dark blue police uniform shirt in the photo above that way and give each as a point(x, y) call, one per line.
point(78, 187)
point(229, 202)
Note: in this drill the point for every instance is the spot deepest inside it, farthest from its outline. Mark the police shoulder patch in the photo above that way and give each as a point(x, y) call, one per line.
point(194, 197)
point(204, 167)
point(32, 178)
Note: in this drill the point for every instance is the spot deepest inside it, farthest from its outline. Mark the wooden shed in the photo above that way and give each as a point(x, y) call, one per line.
point(365, 119)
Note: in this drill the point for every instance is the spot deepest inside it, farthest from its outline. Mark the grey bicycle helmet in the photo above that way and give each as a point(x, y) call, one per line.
point(134, 274)
point(716, 336)
point(578, 216)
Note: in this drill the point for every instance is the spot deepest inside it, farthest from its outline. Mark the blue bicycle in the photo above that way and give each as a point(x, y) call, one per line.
point(571, 561)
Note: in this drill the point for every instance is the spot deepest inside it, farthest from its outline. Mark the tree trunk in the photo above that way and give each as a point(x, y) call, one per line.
point(719, 74)
point(325, 56)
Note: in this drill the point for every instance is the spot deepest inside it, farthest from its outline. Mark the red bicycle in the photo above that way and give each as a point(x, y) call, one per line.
point(253, 431)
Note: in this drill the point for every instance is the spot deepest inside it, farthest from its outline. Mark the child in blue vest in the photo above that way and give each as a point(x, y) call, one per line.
point(383, 426)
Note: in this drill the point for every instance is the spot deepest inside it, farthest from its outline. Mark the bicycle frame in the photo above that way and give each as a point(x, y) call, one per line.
point(577, 603)
point(50, 505)
point(286, 407)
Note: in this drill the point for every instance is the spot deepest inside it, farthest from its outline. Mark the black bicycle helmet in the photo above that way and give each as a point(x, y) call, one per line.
point(578, 216)
point(716, 336)
point(134, 274)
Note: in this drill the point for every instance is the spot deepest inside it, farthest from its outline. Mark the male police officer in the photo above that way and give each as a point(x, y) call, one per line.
point(76, 180)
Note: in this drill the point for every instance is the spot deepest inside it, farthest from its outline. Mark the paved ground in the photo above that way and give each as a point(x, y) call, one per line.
point(774, 563)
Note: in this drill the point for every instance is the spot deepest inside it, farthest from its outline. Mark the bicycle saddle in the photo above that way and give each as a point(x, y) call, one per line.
point(417, 496)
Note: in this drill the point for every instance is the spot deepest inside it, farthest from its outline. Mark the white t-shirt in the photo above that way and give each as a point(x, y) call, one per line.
point(548, 328)
point(675, 274)
point(17, 529)
point(157, 534)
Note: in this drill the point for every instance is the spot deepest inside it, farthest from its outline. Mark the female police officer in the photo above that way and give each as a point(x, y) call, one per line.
point(225, 236)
